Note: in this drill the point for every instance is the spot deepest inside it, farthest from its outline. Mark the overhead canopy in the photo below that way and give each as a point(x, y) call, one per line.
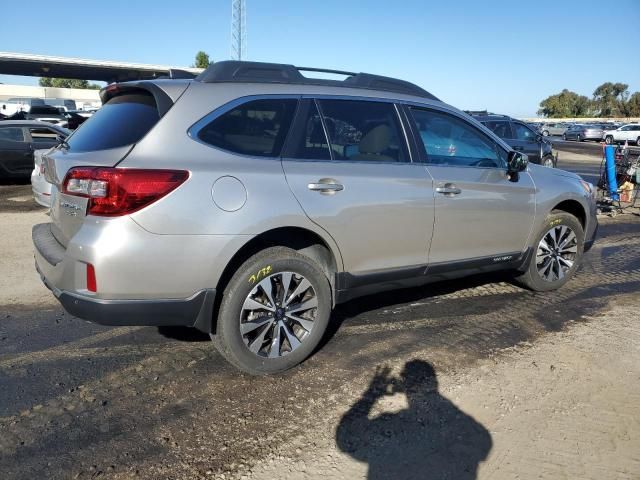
point(82, 69)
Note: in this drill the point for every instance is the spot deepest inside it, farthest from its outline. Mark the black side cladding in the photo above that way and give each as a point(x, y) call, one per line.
point(258, 72)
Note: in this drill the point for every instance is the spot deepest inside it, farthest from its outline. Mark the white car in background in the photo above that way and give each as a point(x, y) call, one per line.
point(39, 185)
point(629, 133)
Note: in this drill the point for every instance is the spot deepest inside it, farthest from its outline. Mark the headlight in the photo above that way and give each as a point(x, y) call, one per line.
point(588, 188)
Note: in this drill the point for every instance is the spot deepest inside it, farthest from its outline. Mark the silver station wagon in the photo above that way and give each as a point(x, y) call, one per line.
point(247, 202)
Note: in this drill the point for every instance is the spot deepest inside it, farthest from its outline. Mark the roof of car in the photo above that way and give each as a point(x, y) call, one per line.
point(491, 116)
point(28, 123)
point(232, 71)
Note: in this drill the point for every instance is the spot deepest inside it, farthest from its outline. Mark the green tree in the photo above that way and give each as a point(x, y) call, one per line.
point(202, 60)
point(632, 106)
point(565, 104)
point(67, 83)
point(610, 99)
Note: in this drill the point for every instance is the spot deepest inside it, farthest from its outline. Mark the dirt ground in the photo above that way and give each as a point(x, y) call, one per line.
point(473, 378)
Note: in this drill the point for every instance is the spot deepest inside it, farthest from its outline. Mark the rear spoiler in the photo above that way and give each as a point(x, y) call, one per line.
point(163, 100)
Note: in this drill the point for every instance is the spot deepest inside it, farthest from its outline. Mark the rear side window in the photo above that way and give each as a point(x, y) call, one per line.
point(500, 128)
point(363, 131)
point(256, 128)
point(13, 134)
point(123, 120)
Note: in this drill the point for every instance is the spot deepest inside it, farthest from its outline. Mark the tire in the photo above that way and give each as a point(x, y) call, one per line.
point(608, 140)
point(579, 138)
point(541, 274)
point(242, 302)
point(548, 161)
point(545, 133)
point(638, 141)
point(564, 137)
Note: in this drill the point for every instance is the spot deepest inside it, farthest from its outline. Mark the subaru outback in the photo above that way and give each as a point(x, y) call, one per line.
point(249, 201)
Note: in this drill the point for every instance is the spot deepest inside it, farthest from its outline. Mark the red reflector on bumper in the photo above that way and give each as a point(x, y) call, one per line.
point(91, 278)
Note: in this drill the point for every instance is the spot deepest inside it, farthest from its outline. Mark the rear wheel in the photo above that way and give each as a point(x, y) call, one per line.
point(557, 253)
point(545, 133)
point(274, 312)
point(579, 138)
point(548, 162)
point(608, 140)
point(638, 141)
point(564, 137)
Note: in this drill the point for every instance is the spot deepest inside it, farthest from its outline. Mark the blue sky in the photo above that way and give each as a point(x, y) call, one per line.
point(505, 56)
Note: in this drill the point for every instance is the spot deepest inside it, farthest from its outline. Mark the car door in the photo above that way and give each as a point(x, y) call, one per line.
point(481, 214)
point(349, 167)
point(16, 155)
point(526, 141)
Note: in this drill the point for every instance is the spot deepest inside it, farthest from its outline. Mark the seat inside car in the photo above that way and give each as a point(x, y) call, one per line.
point(374, 143)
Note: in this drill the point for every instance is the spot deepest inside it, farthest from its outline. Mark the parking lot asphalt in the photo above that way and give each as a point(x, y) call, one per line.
point(82, 401)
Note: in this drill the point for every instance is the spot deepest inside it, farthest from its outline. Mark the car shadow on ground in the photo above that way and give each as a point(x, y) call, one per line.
point(431, 438)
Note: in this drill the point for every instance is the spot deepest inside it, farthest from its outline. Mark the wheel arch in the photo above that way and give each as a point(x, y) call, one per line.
point(574, 208)
point(303, 240)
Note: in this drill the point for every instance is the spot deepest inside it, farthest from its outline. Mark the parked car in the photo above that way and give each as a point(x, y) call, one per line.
point(73, 119)
point(629, 133)
point(40, 187)
point(249, 201)
point(581, 132)
point(45, 113)
point(547, 129)
point(19, 139)
point(521, 137)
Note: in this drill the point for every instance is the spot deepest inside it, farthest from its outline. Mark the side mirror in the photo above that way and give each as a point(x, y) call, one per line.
point(517, 162)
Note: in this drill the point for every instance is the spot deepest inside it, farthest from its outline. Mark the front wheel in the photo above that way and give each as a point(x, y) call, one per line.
point(556, 254)
point(608, 140)
point(548, 162)
point(579, 138)
point(545, 133)
point(564, 137)
point(274, 312)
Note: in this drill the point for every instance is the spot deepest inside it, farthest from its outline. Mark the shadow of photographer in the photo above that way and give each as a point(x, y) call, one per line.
point(431, 439)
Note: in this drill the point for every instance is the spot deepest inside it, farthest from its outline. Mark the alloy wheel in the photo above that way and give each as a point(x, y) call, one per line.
point(278, 314)
point(548, 162)
point(556, 253)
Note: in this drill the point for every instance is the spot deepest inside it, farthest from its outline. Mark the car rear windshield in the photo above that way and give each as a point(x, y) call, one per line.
point(123, 120)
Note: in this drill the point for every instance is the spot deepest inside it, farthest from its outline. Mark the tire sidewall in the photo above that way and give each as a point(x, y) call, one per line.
point(553, 220)
point(275, 260)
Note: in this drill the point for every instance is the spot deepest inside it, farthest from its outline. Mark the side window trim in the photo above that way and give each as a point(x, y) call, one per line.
point(424, 157)
point(194, 130)
point(324, 128)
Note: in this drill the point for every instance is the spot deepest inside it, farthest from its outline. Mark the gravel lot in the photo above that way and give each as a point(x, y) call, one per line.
point(474, 378)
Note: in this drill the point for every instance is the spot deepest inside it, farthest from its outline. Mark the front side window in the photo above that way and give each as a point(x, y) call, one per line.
point(521, 132)
point(449, 140)
point(257, 127)
point(13, 134)
point(363, 131)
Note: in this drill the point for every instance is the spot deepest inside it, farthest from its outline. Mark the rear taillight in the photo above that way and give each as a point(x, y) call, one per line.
point(120, 191)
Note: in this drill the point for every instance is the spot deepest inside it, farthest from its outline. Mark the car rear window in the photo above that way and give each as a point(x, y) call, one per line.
point(123, 120)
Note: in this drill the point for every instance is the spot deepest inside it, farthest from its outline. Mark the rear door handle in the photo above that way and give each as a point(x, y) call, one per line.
point(326, 185)
point(449, 190)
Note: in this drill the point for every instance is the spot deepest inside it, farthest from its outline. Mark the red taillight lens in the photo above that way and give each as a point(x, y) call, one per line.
point(92, 285)
point(120, 191)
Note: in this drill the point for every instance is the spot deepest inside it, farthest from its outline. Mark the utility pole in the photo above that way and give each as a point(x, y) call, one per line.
point(238, 30)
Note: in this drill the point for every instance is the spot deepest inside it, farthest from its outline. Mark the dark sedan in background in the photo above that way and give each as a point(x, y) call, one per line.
point(19, 139)
point(582, 133)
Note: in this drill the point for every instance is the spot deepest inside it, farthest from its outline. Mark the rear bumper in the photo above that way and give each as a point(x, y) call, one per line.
point(195, 311)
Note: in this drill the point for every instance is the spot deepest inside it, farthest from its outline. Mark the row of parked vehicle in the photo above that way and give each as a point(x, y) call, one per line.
point(609, 132)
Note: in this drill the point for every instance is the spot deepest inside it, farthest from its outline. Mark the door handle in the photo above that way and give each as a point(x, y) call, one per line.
point(517, 147)
point(449, 190)
point(326, 185)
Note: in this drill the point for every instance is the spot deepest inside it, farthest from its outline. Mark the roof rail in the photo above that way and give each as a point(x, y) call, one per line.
point(259, 72)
